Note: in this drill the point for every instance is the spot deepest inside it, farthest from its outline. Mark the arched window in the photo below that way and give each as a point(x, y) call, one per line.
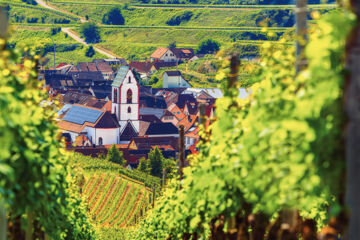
point(100, 141)
point(115, 96)
point(129, 81)
point(129, 109)
point(129, 96)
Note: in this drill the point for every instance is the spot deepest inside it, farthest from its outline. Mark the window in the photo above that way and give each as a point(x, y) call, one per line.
point(129, 96)
point(115, 96)
point(129, 109)
point(129, 80)
point(100, 141)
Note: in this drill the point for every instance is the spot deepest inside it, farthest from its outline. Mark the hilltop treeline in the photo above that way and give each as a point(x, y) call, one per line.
point(234, 2)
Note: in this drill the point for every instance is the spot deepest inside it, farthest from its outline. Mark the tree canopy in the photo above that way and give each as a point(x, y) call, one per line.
point(90, 31)
point(113, 17)
point(208, 46)
point(114, 155)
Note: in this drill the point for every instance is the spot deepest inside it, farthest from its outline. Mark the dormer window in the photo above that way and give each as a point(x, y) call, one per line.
point(129, 80)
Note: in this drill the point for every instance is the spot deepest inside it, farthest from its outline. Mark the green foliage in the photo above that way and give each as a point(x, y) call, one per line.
point(90, 52)
point(208, 46)
point(55, 31)
point(34, 174)
point(279, 149)
point(172, 45)
point(32, 2)
point(180, 17)
point(90, 31)
point(143, 165)
point(156, 160)
point(113, 17)
point(115, 156)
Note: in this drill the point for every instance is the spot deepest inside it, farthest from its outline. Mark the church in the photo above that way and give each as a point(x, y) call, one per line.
point(117, 125)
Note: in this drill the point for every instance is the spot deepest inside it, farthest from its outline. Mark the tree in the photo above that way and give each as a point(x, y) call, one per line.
point(156, 160)
point(172, 45)
point(90, 52)
point(208, 46)
point(114, 155)
point(143, 165)
point(90, 31)
point(113, 17)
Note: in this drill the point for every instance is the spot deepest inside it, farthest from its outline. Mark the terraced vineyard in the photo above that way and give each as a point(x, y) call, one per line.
point(115, 201)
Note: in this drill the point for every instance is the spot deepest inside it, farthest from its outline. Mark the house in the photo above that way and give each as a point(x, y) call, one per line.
point(176, 111)
point(97, 66)
point(162, 130)
point(104, 127)
point(172, 54)
point(157, 65)
point(147, 143)
point(168, 117)
point(191, 137)
point(152, 101)
point(99, 126)
point(173, 79)
point(143, 68)
point(113, 61)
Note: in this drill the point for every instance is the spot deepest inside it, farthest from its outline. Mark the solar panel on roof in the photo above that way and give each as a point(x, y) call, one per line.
point(80, 115)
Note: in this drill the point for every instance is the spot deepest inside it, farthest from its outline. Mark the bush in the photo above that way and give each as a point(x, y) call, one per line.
point(90, 31)
point(32, 2)
point(90, 52)
point(54, 31)
point(208, 46)
point(32, 20)
point(114, 155)
point(62, 20)
point(177, 19)
point(113, 17)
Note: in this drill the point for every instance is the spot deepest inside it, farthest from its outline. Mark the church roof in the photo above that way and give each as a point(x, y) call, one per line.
point(108, 120)
point(128, 133)
point(120, 76)
point(161, 128)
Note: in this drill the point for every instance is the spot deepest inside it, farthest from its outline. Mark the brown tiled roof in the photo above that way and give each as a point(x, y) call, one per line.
point(183, 53)
point(188, 122)
point(176, 111)
point(82, 66)
point(143, 127)
point(92, 67)
point(104, 67)
point(141, 67)
point(159, 52)
point(150, 142)
point(69, 126)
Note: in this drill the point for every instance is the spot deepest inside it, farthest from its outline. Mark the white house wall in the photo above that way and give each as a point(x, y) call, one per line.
point(109, 135)
point(169, 56)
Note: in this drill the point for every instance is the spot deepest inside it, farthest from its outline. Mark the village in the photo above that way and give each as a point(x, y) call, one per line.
point(103, 103)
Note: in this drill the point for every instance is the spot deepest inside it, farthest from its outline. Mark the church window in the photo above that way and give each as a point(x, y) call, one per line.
point(129, 79)
point(129, 109)
point(129, 96)
point(115, 95)
point(100, 141)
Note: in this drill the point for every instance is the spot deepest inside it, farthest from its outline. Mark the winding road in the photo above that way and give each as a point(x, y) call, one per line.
point(71, 33)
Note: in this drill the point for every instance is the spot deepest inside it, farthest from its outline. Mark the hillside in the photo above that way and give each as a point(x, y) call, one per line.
point(116, 197)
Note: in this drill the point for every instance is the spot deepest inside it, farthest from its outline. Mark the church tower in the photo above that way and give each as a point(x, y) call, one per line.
point(125, 99)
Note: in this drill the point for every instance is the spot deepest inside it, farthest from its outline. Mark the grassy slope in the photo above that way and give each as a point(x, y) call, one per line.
point(35, 37)
point(113, 199)
point(26, 13)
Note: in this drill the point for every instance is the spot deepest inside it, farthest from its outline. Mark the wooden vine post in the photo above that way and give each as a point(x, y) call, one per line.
point(352, 138)
point(301, 34)
point(182, 151)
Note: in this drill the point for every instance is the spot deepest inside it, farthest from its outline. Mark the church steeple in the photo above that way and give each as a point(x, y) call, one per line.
point(125, 98)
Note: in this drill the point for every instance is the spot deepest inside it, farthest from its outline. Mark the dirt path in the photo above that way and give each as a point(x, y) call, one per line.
point(78, 39)
point(43, 4)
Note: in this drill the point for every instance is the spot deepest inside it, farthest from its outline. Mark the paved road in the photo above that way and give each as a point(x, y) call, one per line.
point(78, 39)
point(43, 4)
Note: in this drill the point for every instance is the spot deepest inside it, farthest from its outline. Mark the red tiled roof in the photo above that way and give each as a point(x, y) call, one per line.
point(104, 67)
point(159, 53)
point(92, 67)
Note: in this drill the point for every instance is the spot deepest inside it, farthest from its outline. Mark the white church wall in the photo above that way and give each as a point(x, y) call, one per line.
point(109, 136)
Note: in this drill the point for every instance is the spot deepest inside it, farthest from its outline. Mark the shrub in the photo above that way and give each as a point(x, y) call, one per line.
point(90, 31)
point(113, 17)
point(114, 155)
point(177, 19)
point(208, 46)
point(90, 52)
